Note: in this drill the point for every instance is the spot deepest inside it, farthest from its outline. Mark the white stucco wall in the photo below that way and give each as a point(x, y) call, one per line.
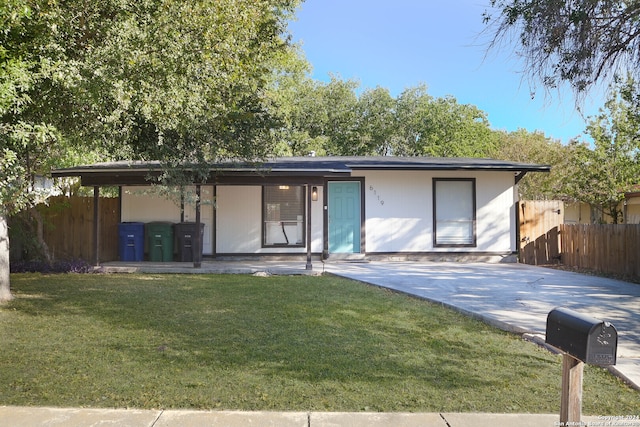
point(496, 199)
point(399, 211)
point(239, 222)
point(148, 204)
point(238, 219)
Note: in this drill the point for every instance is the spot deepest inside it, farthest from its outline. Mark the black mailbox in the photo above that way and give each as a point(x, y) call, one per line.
point(583, 337)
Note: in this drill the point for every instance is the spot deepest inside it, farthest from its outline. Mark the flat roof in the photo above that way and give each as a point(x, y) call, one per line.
point(310, 167)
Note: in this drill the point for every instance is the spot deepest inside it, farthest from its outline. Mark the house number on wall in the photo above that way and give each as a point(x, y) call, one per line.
point(375, 193)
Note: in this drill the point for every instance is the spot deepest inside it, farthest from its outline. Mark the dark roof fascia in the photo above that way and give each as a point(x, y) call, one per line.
point(293, 168)
point(541, 168)
point(101, 180)
point(433, 163)
point(109, 174)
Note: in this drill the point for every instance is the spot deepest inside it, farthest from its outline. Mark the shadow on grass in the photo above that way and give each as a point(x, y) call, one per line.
point(237, 342)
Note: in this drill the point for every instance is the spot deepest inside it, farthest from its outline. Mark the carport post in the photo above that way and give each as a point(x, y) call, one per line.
point(96, 226)
point(309, 265)
point(571, 399)
point(197, 256)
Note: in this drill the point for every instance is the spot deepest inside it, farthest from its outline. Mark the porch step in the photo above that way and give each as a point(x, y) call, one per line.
point(346, 258)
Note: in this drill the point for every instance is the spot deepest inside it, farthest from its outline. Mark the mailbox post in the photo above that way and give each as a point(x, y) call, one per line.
point(582, 339)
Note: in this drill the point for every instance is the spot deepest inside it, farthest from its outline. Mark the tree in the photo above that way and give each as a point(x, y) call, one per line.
point(535, 147)
point(377, 126)
point(609, 169)
point(305, 118)
point(165, 80)
point(320, 117)
point(578, 42)
point(17, 138)
point(440, 127)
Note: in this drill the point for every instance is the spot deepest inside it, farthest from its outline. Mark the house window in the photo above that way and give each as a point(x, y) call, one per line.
point(454, 205)
point(283, 213)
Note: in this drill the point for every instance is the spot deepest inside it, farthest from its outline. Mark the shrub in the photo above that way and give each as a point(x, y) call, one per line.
point(62, 266)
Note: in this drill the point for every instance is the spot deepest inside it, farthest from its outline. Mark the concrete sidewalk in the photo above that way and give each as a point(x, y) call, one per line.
point(12, 416)
point(516, 297)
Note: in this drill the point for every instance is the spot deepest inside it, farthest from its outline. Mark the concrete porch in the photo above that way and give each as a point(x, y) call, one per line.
point(274, 267)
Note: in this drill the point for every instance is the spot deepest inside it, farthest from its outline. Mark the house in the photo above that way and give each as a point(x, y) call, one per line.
point(334, 207)
point(582, 213)
point(631, 207)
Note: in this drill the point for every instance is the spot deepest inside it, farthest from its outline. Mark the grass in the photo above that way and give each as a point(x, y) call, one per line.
point(268, 343)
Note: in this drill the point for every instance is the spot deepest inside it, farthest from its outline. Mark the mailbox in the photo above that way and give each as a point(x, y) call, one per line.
point(583, 337)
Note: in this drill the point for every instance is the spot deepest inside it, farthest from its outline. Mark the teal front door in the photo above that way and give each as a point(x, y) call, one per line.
point(344, 217)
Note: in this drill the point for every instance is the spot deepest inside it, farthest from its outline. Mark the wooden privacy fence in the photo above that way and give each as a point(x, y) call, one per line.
point(544, 239)
point(539, 233)
point(609, 248)
point(612, 249)
point(68, 227)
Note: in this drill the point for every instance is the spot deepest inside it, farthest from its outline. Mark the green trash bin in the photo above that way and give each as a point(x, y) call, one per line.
point(160, 241)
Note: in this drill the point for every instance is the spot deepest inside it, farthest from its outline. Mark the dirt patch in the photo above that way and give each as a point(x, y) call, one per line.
point(588, 272)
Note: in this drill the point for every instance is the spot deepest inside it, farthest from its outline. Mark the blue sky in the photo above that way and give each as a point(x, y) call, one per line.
point(398, 44)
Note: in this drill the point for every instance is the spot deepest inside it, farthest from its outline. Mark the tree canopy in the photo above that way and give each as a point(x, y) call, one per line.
point(147, 79)
point(334, 119)
point(609, 169)
point(535, 147)
point(574, 41)
point(191, 82)
point(161, 79)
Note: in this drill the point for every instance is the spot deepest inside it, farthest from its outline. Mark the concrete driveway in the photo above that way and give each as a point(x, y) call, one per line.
point(515, 297)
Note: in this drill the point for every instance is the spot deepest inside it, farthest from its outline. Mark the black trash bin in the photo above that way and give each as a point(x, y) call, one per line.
point(185, 235)
point(131, 241)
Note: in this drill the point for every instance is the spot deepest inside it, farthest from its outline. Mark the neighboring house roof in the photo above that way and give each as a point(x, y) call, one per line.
point(310, 168)
point(635, 192)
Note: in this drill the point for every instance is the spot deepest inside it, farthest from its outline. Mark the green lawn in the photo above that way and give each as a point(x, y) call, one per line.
point(268, 343)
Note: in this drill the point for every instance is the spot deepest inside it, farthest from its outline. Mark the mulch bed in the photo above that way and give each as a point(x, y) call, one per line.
point(632, 279)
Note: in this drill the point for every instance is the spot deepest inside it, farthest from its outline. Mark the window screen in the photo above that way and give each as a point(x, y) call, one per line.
point(283, 213)
point(454, 212)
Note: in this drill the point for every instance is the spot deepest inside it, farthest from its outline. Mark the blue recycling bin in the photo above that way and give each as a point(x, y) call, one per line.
point(131, 241)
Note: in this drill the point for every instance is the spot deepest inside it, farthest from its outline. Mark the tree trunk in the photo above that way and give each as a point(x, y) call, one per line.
point(5, 284)
point(35, 214)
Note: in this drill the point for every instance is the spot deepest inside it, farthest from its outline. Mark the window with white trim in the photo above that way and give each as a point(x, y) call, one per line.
point(283, 215)
point(454, 212)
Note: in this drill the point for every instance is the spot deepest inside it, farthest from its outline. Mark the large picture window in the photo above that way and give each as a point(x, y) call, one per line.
point(454, 205)
point(283, 215)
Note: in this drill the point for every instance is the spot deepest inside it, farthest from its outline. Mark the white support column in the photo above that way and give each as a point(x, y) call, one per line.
point(309, 265)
